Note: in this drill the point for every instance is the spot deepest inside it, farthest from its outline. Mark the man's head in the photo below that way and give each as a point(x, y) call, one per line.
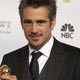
point(49, 4)
point(38, 18)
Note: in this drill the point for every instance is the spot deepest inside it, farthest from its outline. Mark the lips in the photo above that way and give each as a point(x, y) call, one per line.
point(35, 37)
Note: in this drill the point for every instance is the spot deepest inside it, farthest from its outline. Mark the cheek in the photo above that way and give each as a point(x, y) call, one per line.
point(26, 32)
point(47, 30)
point(47, 33)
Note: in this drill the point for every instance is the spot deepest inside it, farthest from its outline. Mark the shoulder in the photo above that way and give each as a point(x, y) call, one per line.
point(71, 49)
point(16, 53)
point(68, 48)
point(14, 56)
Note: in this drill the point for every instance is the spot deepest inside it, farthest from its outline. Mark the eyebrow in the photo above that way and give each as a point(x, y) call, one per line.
point(41, 20)
point(27, 20)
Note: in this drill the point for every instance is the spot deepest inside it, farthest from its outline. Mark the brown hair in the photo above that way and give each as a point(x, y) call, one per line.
point(49, 4)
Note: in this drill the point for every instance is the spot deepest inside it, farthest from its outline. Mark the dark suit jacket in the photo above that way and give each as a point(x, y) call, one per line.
point(64, 62)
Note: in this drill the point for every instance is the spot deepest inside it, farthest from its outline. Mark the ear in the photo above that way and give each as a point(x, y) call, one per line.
point(53, 22)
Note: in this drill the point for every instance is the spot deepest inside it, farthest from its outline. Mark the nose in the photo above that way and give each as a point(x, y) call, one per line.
point(34, 28)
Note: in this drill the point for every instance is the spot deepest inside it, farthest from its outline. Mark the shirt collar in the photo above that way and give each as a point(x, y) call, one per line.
point(46, 49)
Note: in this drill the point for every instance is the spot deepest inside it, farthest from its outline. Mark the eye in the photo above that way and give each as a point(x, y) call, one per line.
point(28, 22)
point(41, 22)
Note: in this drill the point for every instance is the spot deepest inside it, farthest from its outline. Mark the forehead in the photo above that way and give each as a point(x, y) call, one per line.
point(30, 12)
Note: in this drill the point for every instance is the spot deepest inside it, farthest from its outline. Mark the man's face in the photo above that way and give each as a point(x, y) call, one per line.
point(37, 26)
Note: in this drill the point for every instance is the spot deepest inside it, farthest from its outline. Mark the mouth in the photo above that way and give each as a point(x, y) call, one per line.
point(35, 37)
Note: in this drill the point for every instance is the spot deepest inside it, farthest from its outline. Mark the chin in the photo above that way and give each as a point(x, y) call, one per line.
point(36, 46)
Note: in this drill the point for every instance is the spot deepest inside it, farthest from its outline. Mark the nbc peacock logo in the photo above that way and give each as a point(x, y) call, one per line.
point(67, 31)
